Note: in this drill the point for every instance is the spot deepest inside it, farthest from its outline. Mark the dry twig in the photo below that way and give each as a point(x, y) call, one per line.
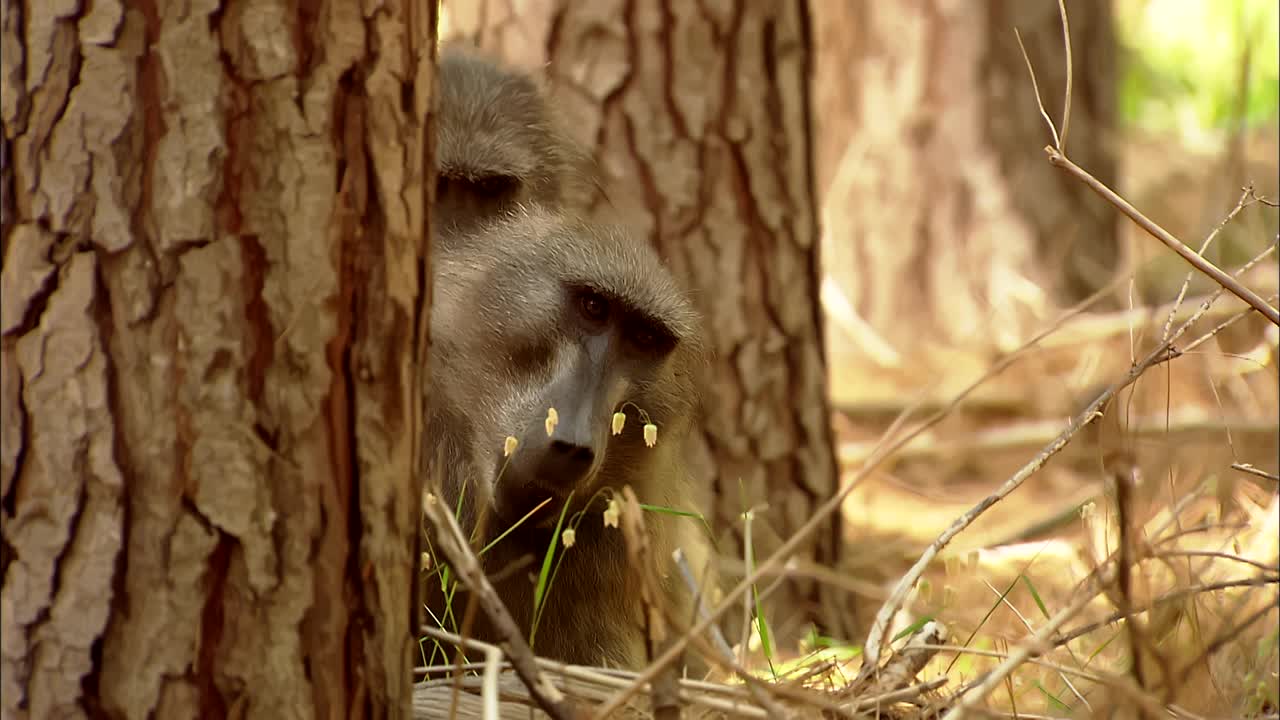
point(911, 659)
point(754, 686)
point(1235, 287)
point(453, 543)
point(1251, 470)
point(594, 684)
point(666, 702)
point(871, 649)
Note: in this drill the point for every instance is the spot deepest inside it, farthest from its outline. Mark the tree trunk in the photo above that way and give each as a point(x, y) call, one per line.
point(1075, 230)
point(699, 115)
point(938, 204)
point(213, 335)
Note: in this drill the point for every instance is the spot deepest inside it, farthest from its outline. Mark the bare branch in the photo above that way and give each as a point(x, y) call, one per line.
point(453, 543)
point(1250, 469)
point(1066, 100)
point(1035, 87)
point(871, 648)
point(1235, 287)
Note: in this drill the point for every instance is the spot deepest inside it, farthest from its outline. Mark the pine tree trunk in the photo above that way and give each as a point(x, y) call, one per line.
point(943, 224)
point(213, 329)
point(938, 203)
point(699, 115)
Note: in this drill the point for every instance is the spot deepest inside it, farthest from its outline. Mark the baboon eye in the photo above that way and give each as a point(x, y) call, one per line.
point(594, 306)
point(644, 338)
point(651, 339)
point(495, 186)
point(489, 187)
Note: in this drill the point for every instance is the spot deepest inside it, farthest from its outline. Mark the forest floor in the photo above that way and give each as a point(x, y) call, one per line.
point(1201, 539)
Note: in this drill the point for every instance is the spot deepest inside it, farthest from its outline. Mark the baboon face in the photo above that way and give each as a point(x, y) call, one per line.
point(533, 314)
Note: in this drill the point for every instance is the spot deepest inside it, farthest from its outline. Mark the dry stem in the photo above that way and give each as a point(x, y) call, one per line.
point(1234, 286)
point(453, 543)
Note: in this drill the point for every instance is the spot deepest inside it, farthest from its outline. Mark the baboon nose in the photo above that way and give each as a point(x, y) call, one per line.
point(568, 459)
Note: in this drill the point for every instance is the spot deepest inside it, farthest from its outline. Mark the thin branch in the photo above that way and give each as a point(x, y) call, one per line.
point(1250, 469)
point(911, 659)
point(1176, 595)
point(874, 702)
point(492, 665)
point(1040, 661)
point(1058, 158)
point(1216, 554)
point(1235, 287)
point(1247, 197)
point(1066, 101)
point(453, 543)
point(1036, 88)
point(1217, 329)
point(879, 627)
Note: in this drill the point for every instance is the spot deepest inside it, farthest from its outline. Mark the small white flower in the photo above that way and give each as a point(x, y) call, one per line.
point(611, 514)
point(619, 419)
point(553, 419)
point(567, 537)
point(650, 434)
point(509, 446)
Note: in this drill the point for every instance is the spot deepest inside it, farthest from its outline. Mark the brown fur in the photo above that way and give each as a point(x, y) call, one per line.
point(504, 269)
point(500, 144)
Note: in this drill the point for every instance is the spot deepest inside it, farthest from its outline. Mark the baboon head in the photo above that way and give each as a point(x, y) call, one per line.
point(535, 313)
point(499, 144)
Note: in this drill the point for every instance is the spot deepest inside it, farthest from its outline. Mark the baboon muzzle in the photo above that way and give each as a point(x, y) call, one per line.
point(553, 465)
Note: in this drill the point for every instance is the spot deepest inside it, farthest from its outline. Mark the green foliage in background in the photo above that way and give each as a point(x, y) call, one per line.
point(1184, 64)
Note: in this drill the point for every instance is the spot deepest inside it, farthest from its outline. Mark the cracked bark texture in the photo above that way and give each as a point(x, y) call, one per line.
point(214, 251)
point(698, 114)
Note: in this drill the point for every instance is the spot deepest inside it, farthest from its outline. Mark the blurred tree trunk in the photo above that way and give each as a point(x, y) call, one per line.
point(1075, 230)
point(699, 115)
point(213, 238)
point(938, 203)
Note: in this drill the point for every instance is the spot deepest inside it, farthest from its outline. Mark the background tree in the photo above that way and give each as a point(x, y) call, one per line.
point(699, 115)
point(1075, 230)
point(213, 329)
point(942, 220)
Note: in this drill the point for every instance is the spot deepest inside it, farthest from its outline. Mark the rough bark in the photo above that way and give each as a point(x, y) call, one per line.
point(214, 268)
point(699, 115)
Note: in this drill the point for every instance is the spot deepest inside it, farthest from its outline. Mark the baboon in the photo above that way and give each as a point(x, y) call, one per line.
point(532, 310)
point(499, 145)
